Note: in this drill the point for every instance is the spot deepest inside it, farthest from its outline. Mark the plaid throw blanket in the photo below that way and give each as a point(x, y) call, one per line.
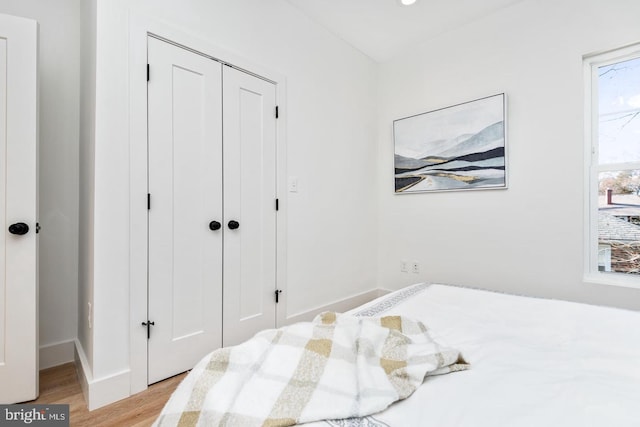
point(337, 366)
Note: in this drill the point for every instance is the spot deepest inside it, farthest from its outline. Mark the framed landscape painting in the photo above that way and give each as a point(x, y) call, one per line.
point(462, 147)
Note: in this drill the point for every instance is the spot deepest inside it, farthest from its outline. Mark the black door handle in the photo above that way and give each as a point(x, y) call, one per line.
point(19, 228)
point(214, 225)
point(233, 224)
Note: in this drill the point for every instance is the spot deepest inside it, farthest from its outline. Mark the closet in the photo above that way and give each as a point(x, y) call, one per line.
point(211, 206)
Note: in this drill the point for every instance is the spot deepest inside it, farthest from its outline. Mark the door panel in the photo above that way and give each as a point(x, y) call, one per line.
point(249, 198)
point(185, 184)
point(3, 196)
point(18, 203)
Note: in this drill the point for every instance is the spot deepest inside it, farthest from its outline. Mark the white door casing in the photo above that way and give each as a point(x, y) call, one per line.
point(250, 199)
point(185, 187)
point(18, 204)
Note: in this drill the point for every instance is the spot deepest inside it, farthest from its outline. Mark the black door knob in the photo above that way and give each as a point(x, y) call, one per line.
point(233, 224)
point(214, 225)
point(19, 228)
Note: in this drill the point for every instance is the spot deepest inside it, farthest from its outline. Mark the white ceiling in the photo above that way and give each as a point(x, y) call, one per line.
point(382, 28)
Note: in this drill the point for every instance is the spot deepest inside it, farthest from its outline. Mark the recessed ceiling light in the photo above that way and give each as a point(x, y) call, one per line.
point(406, 2)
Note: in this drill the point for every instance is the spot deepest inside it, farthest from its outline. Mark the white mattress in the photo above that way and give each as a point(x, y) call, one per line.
point(534, 362)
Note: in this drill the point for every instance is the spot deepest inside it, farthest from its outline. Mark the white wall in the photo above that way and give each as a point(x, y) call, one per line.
point(58, 110)
point(527, 239)
point(330, 113)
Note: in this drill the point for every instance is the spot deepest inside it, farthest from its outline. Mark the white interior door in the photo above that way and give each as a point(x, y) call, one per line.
point(18, 210)
point(250, 201)
point(185, 187)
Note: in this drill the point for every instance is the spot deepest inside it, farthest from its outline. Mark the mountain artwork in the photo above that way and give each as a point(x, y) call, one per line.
point(455, 148)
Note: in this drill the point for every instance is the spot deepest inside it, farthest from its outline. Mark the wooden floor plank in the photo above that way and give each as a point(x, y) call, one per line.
point(60, 385)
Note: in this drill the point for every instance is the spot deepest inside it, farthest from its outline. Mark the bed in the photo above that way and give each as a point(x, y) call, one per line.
point(532, 362)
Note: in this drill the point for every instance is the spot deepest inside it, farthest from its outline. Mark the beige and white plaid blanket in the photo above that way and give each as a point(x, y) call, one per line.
point(337, 366)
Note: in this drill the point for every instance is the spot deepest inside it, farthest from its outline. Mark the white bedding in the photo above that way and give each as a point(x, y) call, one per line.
point(534, 362)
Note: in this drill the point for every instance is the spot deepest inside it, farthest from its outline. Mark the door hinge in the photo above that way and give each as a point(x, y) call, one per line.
point(277, 112)
point(148, 324)
point(278, 292)
point(148, 72)
point(277, 204)
point(148, 201)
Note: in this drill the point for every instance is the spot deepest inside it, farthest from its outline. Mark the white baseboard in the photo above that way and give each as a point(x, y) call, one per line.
point(102, 391)
point(337, 306)
point(56, 354)
point(383, 292)
point(82, 369)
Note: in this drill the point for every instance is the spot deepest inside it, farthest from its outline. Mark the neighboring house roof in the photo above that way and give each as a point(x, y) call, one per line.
point(622, 204)
point(611, 228)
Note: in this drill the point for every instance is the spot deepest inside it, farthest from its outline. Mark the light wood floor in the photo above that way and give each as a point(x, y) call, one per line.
point(60, 385)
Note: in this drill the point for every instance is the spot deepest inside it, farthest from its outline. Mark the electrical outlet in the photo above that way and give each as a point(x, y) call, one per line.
point(404, 267)
point(415, 267)
point(293, 184)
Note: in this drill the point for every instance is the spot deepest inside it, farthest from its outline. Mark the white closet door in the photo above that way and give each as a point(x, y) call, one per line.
point(18, 210)
point(185, 186)
point(249, 200)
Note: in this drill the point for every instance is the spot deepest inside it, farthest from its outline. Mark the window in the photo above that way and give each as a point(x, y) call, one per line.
point(613, 159)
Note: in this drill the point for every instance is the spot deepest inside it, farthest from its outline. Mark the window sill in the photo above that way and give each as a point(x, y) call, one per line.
point(613, 279)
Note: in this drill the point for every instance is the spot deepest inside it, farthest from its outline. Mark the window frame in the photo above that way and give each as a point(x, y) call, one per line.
point(591, 63)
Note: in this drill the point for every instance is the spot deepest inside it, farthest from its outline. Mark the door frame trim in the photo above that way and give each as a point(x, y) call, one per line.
point(141, 27)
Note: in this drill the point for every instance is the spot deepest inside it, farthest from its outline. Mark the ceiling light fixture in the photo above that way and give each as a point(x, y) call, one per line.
point(406, 2)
